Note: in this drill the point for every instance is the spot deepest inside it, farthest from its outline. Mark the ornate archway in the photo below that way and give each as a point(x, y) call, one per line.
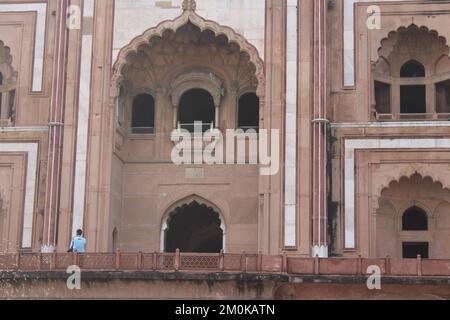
point(188, 16)
point(193, 224)
point(418, 193)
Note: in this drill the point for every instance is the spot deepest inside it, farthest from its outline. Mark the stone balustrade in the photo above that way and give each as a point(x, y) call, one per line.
point(223, 262)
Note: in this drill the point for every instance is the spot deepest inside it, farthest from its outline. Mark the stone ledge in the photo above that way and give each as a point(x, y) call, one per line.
point(7, 276)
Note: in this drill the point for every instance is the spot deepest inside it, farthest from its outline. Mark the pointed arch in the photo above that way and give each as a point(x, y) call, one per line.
point(184, 202)
point(174, 25)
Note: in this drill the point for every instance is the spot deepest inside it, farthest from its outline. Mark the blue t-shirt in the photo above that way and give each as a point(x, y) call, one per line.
point(78, 244)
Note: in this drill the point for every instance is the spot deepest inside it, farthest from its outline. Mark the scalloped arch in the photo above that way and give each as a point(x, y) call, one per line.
point(435, 33)
point(187, 201)
point(174, 25)
point(408, 173)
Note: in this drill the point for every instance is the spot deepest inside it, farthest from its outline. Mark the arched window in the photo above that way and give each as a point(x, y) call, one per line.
point(413, 97)
point(248, 114)
point(415, 219)
point(412, 69)
point(196, 105)
point(143, 114)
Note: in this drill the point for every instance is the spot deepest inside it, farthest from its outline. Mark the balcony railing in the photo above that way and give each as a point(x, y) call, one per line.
point(193, 262)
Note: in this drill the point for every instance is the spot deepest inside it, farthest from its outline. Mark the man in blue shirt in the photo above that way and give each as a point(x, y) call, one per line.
point(78, 243)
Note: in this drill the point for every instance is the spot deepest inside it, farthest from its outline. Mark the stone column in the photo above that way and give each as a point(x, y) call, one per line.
point(320, 126)
point(101, 133)
point(56, 127)
point(272, 113)
point(70, 134)
point(175, 117)
point(217, 118)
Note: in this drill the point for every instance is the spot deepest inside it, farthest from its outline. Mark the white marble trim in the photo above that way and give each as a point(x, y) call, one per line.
point(39, 40)
point(290, 174)
point(82, 126)
point(349, 49)
point(405, 124)
point(351, 145)
point(30, 186)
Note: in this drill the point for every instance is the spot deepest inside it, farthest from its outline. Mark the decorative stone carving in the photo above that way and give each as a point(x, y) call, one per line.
point(189, 5)
point(407, 173)
point(170, 28)
point(408, 43)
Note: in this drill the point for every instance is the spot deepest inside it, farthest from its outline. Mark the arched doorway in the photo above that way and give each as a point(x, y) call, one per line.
point(196, 105)
point(413, 219)
point(193, 227)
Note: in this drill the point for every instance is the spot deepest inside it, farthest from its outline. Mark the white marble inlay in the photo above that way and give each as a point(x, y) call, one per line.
point(392, 124)
point(83, 121)
point(30, 185)
point(39, 41)
point(290, 200)
point(350, 185)
point(349, 40)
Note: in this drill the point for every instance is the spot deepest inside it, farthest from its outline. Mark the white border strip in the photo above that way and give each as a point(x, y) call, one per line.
point(349, 43)
point(41, 9)
point(351, 145)
point(349, 40)
point(290, 195)
point(407, 124)
point(83, 122)
point(30, 185)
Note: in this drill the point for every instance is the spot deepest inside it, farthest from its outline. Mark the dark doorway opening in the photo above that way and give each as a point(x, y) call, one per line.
point(415, 219)
point(196, 105)
point(413, 99)
point(382, 97)
point(412, 249)
point(443, 97)
point(143, 117)
point(194, 228)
